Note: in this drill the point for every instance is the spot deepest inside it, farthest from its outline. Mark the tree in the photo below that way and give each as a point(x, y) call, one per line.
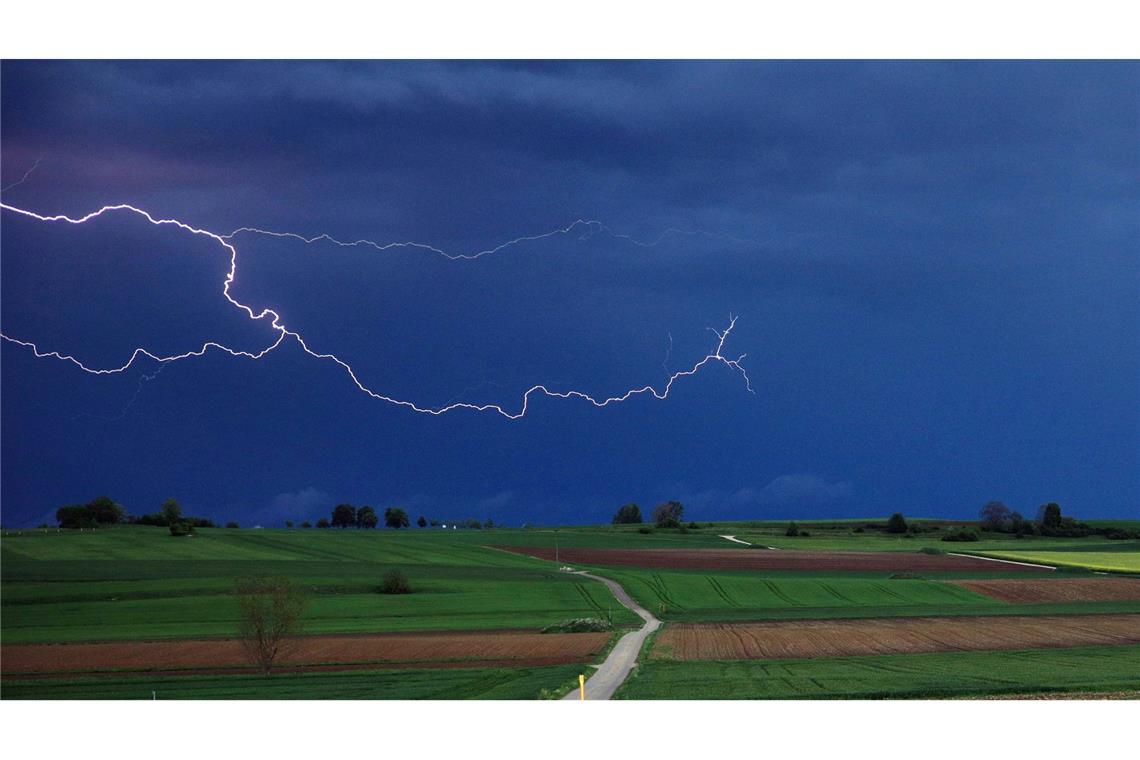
point(395, 517)
point(366, 517)
point(793, 530)
point(171, 512)
point(668, 514)
point(627, 514)
point(232, 524)
point(181, 529)
point(288, 523)
point(104, 511)
point(422, 522)
point(323, 522)
point(489, 524)
point(896, 523)
point(74, 516)
point(1049, 515)
point(343, 516)
point(306, 524)
point(1018, 525)
point(270, 611)
point(994, 516)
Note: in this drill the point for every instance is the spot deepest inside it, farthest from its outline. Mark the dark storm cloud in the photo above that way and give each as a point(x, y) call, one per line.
point(938, 235)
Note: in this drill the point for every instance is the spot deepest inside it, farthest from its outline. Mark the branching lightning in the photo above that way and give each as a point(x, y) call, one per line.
point(284, 333)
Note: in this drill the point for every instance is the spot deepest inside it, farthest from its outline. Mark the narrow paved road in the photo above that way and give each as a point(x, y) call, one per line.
point(622, 657)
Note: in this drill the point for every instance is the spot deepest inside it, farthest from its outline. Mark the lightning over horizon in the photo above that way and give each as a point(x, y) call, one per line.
point(586, 226)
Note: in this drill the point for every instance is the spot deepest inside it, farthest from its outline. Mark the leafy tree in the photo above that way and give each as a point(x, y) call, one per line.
point(395, 582)
point(793, 530)
point(994, 516)
point(105, 511)
point(74, 516)
point(288, 523)
point(395, 517)
point(323, 522)
point(627, 514)
point(366, 517)
point(1019, 525)
point(270, 615)
point(896, 523)
point(171, 511)
point(489, 524)
point(232, 524)
point(422, 522)
point(1049, 515)
point(306, 524)
point(668, 514)
point(343, 516)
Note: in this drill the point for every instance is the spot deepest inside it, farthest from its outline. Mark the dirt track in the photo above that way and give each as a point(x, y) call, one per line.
point(1060, 590)
point(761, 559)
point(459, 649)
point(838, 638)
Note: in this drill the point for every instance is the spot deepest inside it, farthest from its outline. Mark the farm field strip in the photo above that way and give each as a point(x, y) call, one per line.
point(944, 674)
point(839, 638)
point(467, 648)
point(1056, 590)
point(762, 559)
point(1120, 561)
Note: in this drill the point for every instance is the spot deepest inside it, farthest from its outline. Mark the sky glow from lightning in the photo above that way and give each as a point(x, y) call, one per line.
point(584, 226)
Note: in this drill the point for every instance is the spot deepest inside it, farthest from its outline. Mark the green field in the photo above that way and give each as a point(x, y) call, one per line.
point(463, 683)
point(701, 596)
point(139, 583)
point(1122, 559)
point(134, 582)
point(1110, 669)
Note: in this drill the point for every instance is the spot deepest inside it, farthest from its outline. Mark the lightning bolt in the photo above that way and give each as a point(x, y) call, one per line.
point(23, 179)
point(284, 333)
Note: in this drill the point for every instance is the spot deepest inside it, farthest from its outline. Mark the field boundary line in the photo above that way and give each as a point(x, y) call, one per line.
point(1007, 561)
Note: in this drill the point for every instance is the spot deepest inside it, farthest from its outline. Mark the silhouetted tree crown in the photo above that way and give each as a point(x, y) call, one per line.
point(896, 523)
point(343, 516)
point(668, 514)
point(627, 514)
point(395, 517)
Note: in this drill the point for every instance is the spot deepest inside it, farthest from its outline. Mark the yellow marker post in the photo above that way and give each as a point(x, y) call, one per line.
point(581, 687)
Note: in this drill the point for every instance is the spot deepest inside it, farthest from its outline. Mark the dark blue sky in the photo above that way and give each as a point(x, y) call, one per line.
point(935, 268)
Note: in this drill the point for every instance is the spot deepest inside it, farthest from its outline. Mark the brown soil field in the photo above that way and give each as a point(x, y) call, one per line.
point(1060, 590)
point(451, 649)
point(760, 559)
point(842, 638)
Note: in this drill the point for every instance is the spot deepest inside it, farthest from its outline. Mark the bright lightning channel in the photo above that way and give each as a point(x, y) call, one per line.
point(283, 332)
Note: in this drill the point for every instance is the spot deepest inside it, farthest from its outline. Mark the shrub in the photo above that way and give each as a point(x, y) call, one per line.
point(181, 529)
point(395, 582)
point(579, 625)
point(792, 530)
point(645, 530)
point(232, 524)
point(962, 534)
point(694, 526)
point(860, 529)
point(931, 550)
point(805, 534)
point(627, 514)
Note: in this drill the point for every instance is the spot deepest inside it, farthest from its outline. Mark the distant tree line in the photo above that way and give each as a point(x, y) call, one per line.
point(349, 516)
point(667, 514)
point(106, 511)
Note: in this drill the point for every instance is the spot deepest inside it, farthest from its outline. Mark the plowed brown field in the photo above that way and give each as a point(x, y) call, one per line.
point(1062, 590)
point(460, 649)
point(760, 559)
point(839, 638)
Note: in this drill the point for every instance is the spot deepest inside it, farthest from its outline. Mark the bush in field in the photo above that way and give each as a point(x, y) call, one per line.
point(931, 550)
point(579, 625)
point(395, 582)
point(181, 529)
point(232, 524)
point(793, 530)
point(645, 530)
point(995, 516)
point(962, 534)
point(896, 523)
point(395, 517)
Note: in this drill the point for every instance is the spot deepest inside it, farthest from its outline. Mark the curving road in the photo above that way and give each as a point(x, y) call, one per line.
point(621, 659)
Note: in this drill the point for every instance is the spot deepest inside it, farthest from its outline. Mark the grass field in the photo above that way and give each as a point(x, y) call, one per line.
point(109, 585)
point(137, 583)
point(467, 683)
point(892, 676)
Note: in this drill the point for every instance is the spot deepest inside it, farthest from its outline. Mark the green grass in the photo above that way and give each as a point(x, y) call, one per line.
point(464, 683)
point(696, 596)
point(892, 676)
point(139, 583)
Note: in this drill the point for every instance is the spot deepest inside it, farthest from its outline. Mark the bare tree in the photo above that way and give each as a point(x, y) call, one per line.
point(271, 610)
